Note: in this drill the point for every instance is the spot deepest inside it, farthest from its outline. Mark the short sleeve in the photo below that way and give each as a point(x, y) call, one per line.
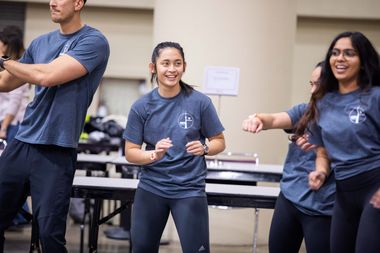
point(90, 50)
point(296, 112)
point(134, 130)
point(211, 124)
point(27, 55)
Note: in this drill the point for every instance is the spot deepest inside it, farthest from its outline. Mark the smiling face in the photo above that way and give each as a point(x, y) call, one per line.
point(345, 64)
point(169, 69)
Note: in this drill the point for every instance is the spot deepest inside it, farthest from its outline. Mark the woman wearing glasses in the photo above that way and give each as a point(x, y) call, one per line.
point(344, 113)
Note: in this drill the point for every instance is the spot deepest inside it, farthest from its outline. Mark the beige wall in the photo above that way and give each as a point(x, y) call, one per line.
point(139, 4)
point(351, 9)
point(129, 26)
point(129, 32)
point(274, 74)
point(237, 34)
point(312, 40)
point(318, 22)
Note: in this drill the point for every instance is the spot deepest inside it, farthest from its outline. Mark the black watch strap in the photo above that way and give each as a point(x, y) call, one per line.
point(205, 149)
point(3, 59)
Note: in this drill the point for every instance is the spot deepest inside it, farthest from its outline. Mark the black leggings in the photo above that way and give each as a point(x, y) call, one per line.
point(289, 226)
point(356, 223)
point(150, 214)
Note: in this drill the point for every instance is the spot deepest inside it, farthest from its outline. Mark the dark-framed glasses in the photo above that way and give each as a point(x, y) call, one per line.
point(347, 53)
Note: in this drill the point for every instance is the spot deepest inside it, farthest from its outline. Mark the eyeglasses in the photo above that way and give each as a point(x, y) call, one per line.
point(347, 53)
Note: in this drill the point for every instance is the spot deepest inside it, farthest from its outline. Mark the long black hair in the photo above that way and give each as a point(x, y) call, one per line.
point(156, 53)
point(369, 75)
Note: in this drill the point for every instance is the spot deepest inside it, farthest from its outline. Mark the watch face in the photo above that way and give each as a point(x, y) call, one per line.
point(205, 149)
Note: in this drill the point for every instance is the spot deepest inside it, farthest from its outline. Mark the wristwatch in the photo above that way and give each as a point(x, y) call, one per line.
point(205, 149)
point(3, 59)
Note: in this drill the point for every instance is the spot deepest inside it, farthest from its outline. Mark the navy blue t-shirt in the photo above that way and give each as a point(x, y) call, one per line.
point(349, 128)
point(294, 183)
point(56, 115)
point(183, 118)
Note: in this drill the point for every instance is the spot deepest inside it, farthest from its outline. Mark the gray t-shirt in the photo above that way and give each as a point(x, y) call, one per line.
point(56, 115)
point(294, 182)
point(183, 118)
point(349, 128)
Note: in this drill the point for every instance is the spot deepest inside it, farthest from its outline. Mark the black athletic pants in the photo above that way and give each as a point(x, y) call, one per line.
point(150, 213)
point(289, 226)
point(47, 172)
point(356, 223)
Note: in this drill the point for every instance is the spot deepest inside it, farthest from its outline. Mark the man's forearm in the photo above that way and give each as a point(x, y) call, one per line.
point(57, 72)
point(9, 82)
point(29, 73)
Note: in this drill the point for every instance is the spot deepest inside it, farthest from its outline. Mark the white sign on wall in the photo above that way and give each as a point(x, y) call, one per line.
point(221, 81)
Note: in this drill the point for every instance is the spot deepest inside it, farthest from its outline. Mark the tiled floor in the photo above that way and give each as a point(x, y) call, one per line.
point(18, 242)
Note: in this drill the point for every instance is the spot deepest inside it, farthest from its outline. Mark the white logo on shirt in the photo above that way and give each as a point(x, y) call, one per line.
point(67, 46)
point(185, 120)
point(357, 115)
point(202, 248)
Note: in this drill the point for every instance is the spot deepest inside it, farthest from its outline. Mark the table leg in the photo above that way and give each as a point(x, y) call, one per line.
point(255, 232)
point(94, 228)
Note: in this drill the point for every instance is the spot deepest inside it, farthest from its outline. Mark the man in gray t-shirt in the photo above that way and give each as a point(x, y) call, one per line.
point(66, 66)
